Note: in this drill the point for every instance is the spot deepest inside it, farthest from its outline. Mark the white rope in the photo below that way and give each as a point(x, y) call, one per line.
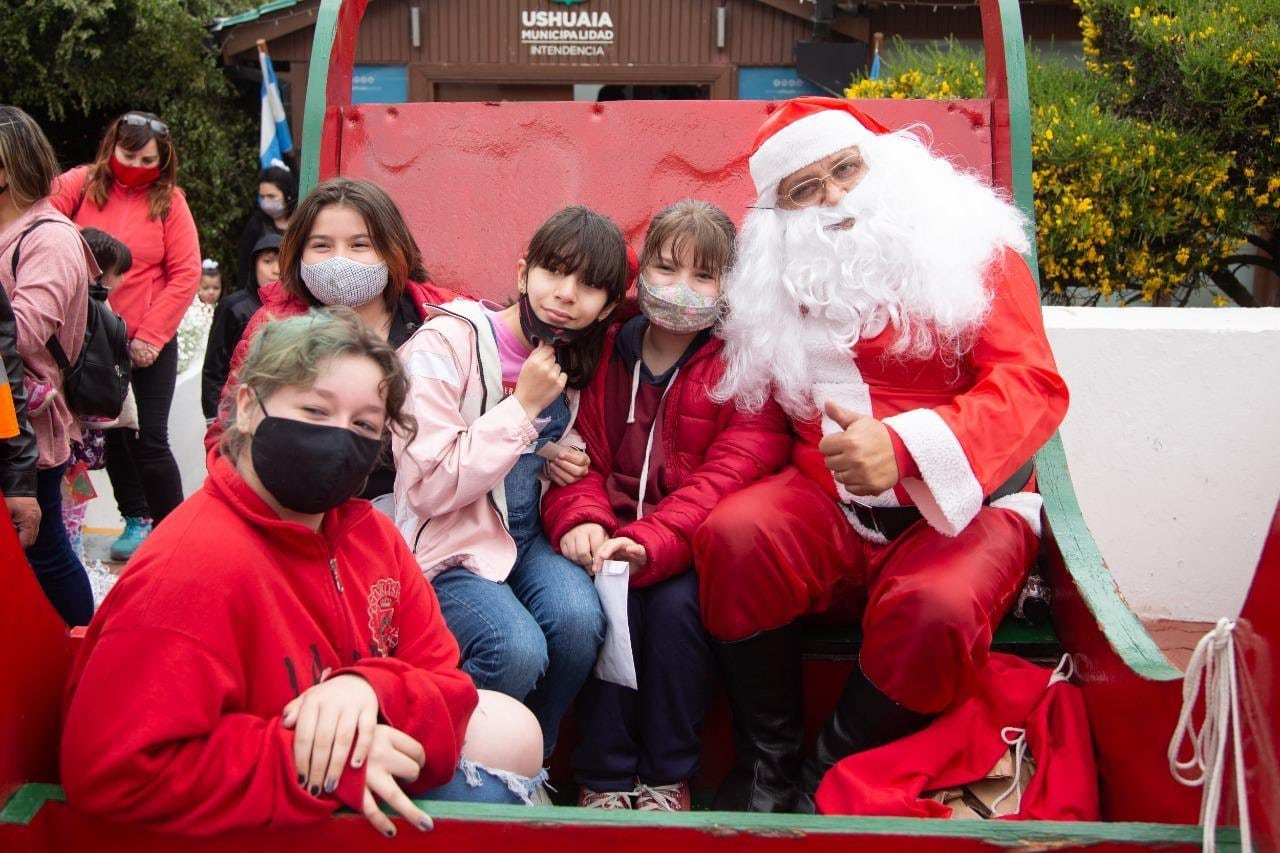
point(1016, 738)
point(1213, 663)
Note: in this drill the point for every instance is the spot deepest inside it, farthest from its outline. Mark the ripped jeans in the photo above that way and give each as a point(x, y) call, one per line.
point(474, 783)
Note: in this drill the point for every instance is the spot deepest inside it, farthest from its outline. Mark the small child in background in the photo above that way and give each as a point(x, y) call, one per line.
point(210, 290)
point(193, 330)
point(89, 453)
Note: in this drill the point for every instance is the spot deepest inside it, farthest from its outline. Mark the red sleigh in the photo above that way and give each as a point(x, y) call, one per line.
point(474, 180)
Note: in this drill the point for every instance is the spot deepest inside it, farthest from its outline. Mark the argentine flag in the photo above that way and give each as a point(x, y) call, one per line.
point(274, 139)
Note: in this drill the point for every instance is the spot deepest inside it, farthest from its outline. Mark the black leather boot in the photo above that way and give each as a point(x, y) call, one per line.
point(864, 718)
point(766, 694)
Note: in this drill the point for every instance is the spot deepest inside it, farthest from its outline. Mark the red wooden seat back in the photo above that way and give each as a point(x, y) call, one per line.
point(476, 180)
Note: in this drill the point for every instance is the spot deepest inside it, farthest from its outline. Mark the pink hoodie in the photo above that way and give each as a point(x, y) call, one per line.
point(158, 289)
point(450, 500)
point(50, 296)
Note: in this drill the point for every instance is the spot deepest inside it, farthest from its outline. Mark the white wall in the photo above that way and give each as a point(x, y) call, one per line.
point(1173, 447)
point(1171, 438)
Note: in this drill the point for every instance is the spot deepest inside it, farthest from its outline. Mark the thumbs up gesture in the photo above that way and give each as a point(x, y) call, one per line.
point(861, 456)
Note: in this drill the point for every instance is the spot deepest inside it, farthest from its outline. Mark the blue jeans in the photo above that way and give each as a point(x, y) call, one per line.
point(534, 638)
point(472, 783)
point(58, 569)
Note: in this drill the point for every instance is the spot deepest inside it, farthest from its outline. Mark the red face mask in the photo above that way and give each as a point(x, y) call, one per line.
point(133, 176)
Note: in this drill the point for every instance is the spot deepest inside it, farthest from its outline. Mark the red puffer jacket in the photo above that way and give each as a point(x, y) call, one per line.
point(712, 449)
point(278, 304)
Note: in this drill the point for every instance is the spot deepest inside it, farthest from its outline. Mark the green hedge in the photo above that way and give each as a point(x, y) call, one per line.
point(75, 64)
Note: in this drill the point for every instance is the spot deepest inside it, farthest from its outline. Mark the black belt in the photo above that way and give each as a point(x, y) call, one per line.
point(892, 521)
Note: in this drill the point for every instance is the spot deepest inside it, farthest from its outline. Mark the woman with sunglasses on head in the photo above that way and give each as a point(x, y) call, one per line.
point(130, 191)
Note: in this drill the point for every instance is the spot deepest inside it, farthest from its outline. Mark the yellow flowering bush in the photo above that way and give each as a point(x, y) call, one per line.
point(1212, 68)
point(1125, 209)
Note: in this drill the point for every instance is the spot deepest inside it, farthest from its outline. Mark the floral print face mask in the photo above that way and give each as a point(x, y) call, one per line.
point(678, 307)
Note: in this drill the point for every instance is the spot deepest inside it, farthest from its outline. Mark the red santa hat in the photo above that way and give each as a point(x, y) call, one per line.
point(803, 131)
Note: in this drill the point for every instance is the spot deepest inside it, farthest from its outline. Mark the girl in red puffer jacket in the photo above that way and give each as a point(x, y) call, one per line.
point(662, 454)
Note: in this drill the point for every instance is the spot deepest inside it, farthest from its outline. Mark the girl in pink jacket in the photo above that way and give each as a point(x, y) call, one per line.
point(495, 391)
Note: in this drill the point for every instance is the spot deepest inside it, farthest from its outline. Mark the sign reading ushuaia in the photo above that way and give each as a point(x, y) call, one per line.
point(566, 33)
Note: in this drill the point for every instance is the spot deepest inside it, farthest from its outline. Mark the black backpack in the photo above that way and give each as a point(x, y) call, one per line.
point(97, 383)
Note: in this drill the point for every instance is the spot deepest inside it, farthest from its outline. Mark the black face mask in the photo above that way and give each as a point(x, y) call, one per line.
point(311, 468)
point(536, 329)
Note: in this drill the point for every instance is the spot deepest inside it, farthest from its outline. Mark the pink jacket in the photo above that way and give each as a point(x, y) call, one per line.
point(50, 296)
point(450, 501)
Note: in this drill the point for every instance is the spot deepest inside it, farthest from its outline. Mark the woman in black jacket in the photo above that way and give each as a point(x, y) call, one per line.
point(277, 198)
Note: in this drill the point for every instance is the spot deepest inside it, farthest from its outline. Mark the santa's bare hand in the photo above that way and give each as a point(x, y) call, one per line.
point(861, 456)
point(620, 548)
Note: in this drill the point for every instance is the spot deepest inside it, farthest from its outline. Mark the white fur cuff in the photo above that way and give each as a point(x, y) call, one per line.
point(948, 496)
point(1025, 504)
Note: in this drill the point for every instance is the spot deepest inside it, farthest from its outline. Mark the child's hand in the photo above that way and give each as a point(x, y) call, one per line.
point(327, 719)
point(569, 467)
point(394, 755)
point(541, 380)
point(620, 548)
point(581, 542)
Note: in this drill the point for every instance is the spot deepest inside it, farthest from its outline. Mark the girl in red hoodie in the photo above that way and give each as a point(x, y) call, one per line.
point(662, 454)
point(130, 191)
point(273, 652)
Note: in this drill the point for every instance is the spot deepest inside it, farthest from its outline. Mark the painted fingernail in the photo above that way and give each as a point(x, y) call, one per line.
point(315, 790)
point(356, 762)
point(390, 833)
point(329, 785)
point(302, 780)
point(426, 825)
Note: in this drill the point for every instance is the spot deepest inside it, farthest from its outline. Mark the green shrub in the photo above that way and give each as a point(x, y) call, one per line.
point(75, 64)
point(1211, 68)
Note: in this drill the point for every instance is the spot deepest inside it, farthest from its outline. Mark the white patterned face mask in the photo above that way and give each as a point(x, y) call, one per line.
point(342, 281)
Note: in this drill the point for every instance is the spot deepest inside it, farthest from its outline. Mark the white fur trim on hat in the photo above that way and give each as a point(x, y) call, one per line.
point(799, 144)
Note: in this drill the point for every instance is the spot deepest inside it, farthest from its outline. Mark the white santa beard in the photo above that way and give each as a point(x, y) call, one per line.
point(923, 238)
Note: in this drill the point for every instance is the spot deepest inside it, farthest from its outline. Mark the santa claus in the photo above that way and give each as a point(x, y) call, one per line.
point(880, 297)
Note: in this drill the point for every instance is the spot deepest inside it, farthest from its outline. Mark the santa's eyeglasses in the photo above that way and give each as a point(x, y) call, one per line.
point(158, 127)
point(843, 174)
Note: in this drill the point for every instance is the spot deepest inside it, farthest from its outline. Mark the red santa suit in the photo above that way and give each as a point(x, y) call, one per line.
point(965, 424)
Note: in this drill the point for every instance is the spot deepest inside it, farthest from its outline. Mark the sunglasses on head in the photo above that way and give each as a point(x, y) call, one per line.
point(133, 119)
